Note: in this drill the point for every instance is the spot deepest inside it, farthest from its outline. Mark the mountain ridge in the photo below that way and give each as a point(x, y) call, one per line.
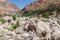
point(8, 7)
point(39, 4)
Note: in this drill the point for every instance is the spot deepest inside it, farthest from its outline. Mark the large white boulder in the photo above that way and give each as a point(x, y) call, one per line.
point(41, 27)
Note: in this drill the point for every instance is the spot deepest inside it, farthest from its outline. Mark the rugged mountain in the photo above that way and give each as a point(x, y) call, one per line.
point(39, 4)
point(7, 7)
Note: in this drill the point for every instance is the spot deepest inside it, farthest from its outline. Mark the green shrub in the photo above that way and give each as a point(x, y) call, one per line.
point(14, 26)
point(2, 20)
point(5, 14)
point(17, 23)
point(45, 15)
point(14, 17)
point(9, 20)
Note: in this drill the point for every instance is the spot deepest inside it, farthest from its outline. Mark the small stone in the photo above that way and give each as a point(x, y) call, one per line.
point(25, 35)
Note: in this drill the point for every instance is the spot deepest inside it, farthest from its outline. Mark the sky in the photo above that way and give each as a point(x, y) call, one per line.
point(21, 3)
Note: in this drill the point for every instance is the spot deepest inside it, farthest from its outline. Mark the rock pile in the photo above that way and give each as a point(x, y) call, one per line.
point(31, 29)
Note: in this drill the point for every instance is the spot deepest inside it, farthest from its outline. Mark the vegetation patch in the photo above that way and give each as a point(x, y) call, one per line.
point(50, 8)
point(14, 17)
point(2, 20)
point(14, 26)
point(9, 20)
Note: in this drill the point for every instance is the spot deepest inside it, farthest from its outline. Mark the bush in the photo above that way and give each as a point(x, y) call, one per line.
point(14, 26)
point(17, 23)
point(14, 17)
point(5, 14)
point(45, 15)
point(9, 20)
point(2, 20)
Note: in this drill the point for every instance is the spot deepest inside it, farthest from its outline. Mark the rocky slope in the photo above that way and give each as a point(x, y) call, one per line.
point(7, 7)
point(29, 28)
point(39, 4)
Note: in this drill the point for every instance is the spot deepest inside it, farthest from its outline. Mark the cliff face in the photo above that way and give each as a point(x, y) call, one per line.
point(7, 7)
point(39, 4)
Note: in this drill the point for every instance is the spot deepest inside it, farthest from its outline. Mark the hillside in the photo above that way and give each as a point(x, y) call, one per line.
point(7, 7)
point(39, 4)
point(40, 7)
point(39, 21)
